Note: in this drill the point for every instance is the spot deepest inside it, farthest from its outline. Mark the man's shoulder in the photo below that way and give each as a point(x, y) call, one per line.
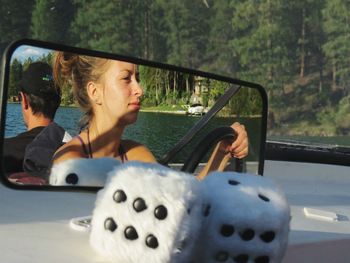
point(26, 136)
point(14, 149)
point(53, 134)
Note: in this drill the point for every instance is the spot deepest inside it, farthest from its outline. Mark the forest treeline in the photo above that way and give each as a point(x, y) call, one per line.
point(298, 50)
point(162, 90)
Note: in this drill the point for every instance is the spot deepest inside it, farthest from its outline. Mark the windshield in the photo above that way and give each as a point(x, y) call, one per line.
point(299, 52)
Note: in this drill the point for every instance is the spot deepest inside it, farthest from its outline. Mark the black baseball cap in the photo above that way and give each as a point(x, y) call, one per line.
point(37, 79)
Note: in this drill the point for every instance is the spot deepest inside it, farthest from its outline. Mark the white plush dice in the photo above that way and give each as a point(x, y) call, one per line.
point(246, 220)
point(147, 213)
point(82, 172)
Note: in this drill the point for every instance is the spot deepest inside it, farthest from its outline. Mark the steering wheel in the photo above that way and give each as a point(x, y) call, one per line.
point(206, 144)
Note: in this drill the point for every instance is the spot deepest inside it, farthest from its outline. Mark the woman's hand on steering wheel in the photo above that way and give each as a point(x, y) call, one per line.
point(238, 148)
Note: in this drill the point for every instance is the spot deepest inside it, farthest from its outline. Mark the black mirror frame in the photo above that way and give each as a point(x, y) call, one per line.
point(5, 66)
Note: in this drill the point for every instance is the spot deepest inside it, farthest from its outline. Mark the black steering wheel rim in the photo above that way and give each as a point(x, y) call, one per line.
point(206, 144)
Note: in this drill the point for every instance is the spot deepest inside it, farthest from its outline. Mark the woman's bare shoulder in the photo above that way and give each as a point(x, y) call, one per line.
point(137, 151)
point(70, 150)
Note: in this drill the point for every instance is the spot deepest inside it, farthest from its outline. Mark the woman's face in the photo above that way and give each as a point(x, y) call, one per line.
point(121, 93)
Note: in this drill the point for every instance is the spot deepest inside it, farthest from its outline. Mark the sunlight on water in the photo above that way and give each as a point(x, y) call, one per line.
point(159, 131)
point(14, 120)
point(67, 117)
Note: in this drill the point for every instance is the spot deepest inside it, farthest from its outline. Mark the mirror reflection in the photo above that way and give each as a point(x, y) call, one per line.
point(63, 106)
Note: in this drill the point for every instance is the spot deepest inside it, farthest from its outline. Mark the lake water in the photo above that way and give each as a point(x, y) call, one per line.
point(159, 131)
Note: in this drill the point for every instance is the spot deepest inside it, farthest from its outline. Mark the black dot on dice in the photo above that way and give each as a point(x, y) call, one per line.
point(160, 212)
point(227, 230)
point(221, 256)
point(119, 196)
point(247, 234)
point(207, 210)
point(262, 259)
point(264, 198)
point(110, 224)
point(242, 258)
point(152, 241)
point(72, 178)
point(233, 182)
point(267, 236)
point(139, 205)
point(130, 233)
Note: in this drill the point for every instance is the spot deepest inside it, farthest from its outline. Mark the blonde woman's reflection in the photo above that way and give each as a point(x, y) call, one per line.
point(109, 93)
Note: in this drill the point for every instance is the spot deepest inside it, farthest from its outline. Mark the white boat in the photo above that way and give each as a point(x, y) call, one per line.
point(196, 109)
point(35, 224)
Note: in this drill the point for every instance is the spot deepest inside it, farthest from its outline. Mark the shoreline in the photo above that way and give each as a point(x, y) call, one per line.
point(180, 112)
point(175, 112)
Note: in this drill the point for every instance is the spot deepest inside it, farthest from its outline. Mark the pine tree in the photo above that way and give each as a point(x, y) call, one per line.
point(112, 26)
point(187, 34)
point(14, 20)
point(51, 20)
point(260, 42)
point(337, 47)
point(219, 53)
point(16, 71)
point(155, 32)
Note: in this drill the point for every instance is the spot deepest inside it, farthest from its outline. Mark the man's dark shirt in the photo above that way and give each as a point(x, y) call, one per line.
point(14, 149)
point(38, 155)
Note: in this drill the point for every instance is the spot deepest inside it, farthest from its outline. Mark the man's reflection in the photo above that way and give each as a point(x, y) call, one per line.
point(25, 161)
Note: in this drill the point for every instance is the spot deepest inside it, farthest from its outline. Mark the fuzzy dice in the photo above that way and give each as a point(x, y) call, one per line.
point(82, 172)
point(246, 220)
point(147, 213)
point(150, 213)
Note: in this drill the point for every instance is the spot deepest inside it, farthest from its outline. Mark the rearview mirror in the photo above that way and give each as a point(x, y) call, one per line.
point(180, 107)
